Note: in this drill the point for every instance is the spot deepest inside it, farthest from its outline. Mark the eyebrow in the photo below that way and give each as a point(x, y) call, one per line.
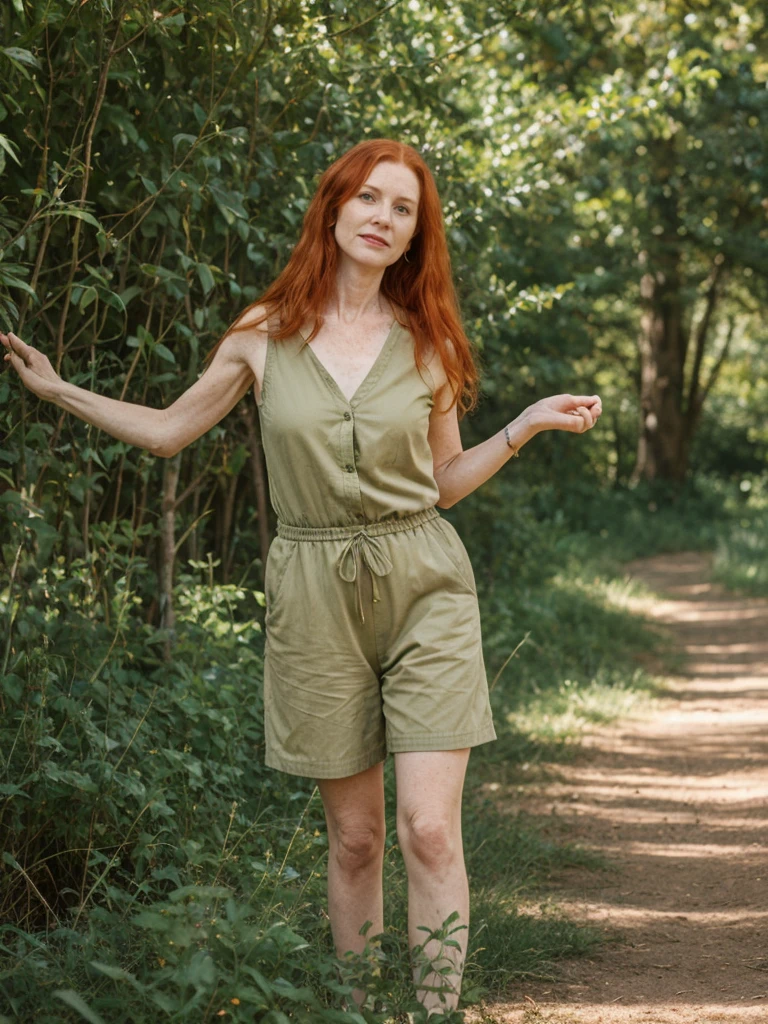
point(406, 198)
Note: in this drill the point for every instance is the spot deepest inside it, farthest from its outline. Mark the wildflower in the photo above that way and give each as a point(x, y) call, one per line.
point(235, 1001)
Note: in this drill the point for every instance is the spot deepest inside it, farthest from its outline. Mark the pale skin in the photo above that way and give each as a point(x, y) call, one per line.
point(429, 785)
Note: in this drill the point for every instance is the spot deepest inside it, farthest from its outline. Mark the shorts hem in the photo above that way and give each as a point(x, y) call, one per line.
point(324, 769)
point(437, 741)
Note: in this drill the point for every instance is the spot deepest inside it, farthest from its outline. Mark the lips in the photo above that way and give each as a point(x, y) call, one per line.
point(375, 240)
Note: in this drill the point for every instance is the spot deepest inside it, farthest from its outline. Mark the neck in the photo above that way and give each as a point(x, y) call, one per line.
point(358, 295)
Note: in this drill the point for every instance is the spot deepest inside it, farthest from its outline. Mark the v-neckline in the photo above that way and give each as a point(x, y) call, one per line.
point(368, 380)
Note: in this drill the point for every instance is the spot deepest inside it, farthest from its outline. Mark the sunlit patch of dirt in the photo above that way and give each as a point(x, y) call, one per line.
point(678, 803)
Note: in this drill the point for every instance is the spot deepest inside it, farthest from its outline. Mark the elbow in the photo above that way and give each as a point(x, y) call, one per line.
point(166, 452)
point(164, 449)
point(165, 445)
point(444, 499)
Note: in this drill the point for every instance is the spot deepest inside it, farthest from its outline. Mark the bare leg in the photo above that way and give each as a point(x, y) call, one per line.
point(354, 811)
point(429, 791)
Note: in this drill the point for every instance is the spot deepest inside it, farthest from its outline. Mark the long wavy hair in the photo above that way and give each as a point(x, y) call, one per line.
point(422, 287)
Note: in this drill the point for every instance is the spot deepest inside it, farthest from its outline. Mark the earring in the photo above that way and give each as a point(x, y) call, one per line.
point(405, 256)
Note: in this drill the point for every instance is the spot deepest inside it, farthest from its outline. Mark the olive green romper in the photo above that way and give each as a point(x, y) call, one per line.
point(372, 623)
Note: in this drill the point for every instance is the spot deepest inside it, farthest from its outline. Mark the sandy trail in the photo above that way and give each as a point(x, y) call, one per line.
point(678, 801)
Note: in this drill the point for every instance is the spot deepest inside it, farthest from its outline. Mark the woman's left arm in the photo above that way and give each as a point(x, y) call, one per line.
point(458, 472)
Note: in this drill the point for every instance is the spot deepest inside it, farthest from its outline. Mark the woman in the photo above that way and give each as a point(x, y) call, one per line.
point(372, 626)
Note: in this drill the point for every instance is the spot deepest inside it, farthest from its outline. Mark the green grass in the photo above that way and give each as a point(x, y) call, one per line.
point(741, 556)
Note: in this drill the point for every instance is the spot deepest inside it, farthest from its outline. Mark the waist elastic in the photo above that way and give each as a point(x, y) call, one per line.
point(362, 547)
point(372, 529)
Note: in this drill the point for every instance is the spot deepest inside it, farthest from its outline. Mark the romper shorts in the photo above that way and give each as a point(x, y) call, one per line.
point(373, 645)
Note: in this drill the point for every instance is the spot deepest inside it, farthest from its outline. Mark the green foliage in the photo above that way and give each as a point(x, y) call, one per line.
point(741, 555)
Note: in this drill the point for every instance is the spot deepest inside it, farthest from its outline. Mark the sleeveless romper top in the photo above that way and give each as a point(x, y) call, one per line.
point(333, 462)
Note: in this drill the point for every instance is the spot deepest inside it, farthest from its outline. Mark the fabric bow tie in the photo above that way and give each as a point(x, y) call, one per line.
point(362, 547)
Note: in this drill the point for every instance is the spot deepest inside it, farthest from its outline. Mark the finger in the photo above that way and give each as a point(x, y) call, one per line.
point(16, 362)
point(20, 348)
point(586, 400)
point(585, 416)
point(572, 421)
point(16, 343)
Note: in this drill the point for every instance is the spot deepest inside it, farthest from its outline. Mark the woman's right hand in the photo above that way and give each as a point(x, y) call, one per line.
point(574, 413)
point(32, 366)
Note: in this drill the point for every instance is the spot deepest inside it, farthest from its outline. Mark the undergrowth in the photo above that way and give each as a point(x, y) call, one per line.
point(154, 869)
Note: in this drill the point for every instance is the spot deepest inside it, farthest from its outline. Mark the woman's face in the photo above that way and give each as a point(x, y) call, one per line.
point(385, 207)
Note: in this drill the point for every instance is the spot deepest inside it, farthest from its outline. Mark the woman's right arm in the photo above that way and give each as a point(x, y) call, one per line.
point(161, 431)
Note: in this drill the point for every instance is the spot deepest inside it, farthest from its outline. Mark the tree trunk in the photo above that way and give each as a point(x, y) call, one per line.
point(663, 444)
point(168, 548)
point(229, 487)
point(670, 410)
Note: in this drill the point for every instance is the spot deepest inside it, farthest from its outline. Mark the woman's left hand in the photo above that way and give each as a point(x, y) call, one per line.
point(576, 413)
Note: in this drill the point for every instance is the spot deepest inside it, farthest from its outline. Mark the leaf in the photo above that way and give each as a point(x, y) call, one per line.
point(77, 1002)
point(164, 353)
point(22, 56)
point(9, 859)
point(8, 789)
point(259, 978)
point(117, 973)
point(129, 294)
point(67, 212)
point(199, 892)
point(206, 277)
point(113, 299)
point(89, 295)
point(13, 282)
point(191, 139)
point(5, 143)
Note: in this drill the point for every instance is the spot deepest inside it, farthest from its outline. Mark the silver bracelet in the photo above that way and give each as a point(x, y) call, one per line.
point(515, 448)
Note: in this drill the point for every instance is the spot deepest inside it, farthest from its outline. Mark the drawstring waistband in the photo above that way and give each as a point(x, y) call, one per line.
point(362, 547)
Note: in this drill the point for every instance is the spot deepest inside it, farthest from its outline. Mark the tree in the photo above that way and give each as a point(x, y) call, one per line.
point(652, 116)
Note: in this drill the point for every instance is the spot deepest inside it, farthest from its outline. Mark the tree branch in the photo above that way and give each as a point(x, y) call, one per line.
point(701, 340)
point(718, 364)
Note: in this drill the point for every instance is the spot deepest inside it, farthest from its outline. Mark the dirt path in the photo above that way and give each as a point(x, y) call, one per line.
point(678, 803)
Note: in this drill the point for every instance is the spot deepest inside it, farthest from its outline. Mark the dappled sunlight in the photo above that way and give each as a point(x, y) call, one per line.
point(584, 1011)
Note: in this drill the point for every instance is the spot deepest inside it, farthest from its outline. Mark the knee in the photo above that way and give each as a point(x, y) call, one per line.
point(357, 847)
point(431, 839)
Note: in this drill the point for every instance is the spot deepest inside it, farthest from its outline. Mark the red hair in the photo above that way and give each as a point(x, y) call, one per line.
point(422, 287)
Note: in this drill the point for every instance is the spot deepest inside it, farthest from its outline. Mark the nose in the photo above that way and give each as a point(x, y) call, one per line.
point(381, 213)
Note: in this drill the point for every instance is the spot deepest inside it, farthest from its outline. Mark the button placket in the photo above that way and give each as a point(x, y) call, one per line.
point(348, 463)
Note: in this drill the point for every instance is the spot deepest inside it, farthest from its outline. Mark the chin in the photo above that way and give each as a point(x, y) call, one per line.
point(369, 259)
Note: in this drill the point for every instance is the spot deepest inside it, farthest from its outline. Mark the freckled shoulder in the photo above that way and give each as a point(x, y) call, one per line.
point(442, 389)
point(253, 345)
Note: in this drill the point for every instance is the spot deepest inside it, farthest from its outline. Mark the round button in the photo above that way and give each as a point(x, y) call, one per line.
point(347, 416)
point(350, 469)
